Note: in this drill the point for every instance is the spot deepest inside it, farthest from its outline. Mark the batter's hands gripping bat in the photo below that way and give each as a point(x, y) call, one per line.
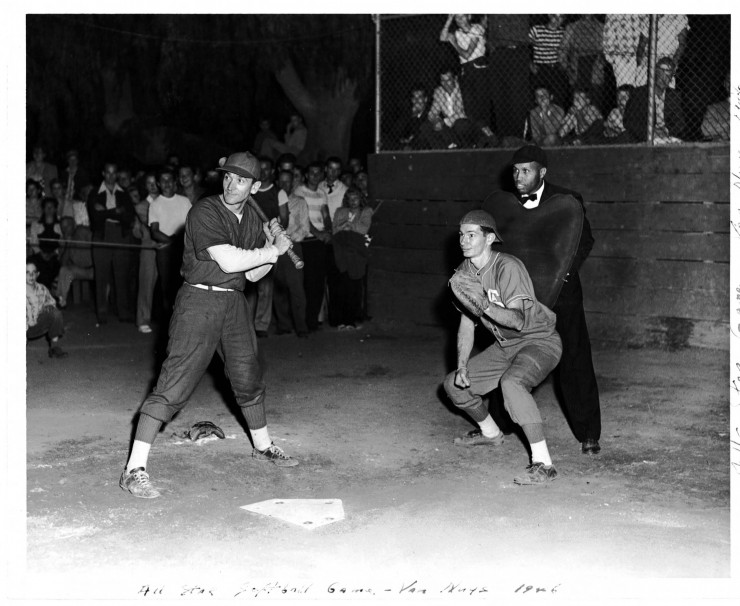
point(275, 229)
point(469, 291)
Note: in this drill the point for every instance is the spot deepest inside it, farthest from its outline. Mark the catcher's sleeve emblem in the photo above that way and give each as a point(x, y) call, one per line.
point(494, 297)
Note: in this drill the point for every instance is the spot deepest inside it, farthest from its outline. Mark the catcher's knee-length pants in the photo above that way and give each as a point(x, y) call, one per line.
point(519, 368)
point(202, 323)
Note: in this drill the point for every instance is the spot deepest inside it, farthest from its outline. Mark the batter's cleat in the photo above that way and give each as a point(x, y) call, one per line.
point(537, 473)
point(476, 438)
point(590, 446)
point(138, 484)
point(274, 454)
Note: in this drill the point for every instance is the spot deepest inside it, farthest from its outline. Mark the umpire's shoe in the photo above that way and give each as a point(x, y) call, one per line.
point(274, 454)
point(138, 484)
point(476, 438)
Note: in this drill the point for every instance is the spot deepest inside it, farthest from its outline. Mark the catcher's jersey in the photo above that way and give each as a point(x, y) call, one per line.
point(505, 279)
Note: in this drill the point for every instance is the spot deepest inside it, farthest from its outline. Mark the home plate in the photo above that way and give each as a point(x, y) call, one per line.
point(307, 513)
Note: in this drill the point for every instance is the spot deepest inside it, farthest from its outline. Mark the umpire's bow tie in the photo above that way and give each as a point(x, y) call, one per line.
point(526, 197)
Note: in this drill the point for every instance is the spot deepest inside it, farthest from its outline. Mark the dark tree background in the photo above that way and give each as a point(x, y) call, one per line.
point(134, 88)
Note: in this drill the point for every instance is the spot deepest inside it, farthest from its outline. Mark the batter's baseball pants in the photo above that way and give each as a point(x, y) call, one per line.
point(204, 322)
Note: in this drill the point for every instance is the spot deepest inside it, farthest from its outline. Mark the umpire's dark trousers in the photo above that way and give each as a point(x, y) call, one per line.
point(576, 377)
point(314, 279)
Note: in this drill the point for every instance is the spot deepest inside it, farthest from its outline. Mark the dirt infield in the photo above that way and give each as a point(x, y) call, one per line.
point(364, 413)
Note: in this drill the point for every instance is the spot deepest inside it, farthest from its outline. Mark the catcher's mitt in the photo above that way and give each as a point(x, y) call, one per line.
point(203, 429)
point(469, 291)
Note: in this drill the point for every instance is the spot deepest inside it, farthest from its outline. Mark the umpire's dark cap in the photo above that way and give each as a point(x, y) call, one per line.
point(482, 218)
point(530, 153)
point(243, 164)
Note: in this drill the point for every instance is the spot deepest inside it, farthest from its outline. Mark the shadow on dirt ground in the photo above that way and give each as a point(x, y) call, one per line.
point(363, 413)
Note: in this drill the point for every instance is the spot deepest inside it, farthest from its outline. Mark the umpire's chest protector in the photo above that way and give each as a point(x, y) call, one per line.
point(544, 238)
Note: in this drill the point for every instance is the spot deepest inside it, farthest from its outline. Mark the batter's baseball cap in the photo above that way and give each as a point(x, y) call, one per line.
point(482, 218)
point(530, 153)
point(243, 164)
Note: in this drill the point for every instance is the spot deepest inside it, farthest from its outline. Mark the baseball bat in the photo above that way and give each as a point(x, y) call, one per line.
point(297, 261)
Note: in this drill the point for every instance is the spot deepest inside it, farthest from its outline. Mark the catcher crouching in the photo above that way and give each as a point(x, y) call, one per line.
point(495, 288)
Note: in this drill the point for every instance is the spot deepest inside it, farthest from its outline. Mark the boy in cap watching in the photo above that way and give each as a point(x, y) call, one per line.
point(226, 244)
point(526, 349)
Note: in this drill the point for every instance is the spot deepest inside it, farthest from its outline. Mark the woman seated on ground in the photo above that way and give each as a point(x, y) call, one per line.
point(42, 316)
point(350, 225)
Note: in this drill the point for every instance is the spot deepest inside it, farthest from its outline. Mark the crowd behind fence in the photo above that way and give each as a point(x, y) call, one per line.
point(478, 81)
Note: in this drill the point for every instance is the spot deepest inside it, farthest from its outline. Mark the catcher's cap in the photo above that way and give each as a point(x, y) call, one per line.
point(243, 164)
point(482, 218)
point(530, 153)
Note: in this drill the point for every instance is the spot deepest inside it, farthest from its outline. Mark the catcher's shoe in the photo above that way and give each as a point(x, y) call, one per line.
point(138, 484)
point(476, 438)
point(537, 473)
point(274, 454)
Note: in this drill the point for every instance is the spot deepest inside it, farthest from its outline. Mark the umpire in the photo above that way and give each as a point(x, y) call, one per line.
point(226, 244)
point(576, 376)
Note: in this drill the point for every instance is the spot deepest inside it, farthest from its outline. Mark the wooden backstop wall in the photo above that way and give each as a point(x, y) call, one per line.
point(658, 274)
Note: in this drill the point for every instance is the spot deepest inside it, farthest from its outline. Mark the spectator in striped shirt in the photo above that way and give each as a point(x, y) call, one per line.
point(546, 67)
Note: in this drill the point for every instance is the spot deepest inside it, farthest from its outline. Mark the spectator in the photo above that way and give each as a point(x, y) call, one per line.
point(671, 42)
point(469, 41)
point(44, 240)
point(42, 316)
point(668, 117)
point(299, 178)
point(295, 139)
point(260, 293)
point(265, 133)
point(147, 277)
point(581, 54)
point(124, 178)
point(41, 171)
point(545, 66)
point(331, 185)
point(583, 124)
point(347, 178)
point(361, 183)
point(509, 57)
point(186, 184)
point(315, 245)
point(614, 131)
point(407, 129)
point(76, 261)
point(74, 177)
point(64, 202)
point(112, 218)
point(716, 123)
point(289, 295)
point(620, 42)
point(33, 203)
point(354, 165)
point(546, 119)
point(334, 190)
point(447, 113)
point(167, 214)
point(351, 224)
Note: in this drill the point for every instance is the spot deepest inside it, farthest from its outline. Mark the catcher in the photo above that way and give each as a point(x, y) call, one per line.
point(495, 289)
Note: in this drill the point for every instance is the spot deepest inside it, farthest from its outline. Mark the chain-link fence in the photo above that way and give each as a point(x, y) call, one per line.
point(476, 81)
